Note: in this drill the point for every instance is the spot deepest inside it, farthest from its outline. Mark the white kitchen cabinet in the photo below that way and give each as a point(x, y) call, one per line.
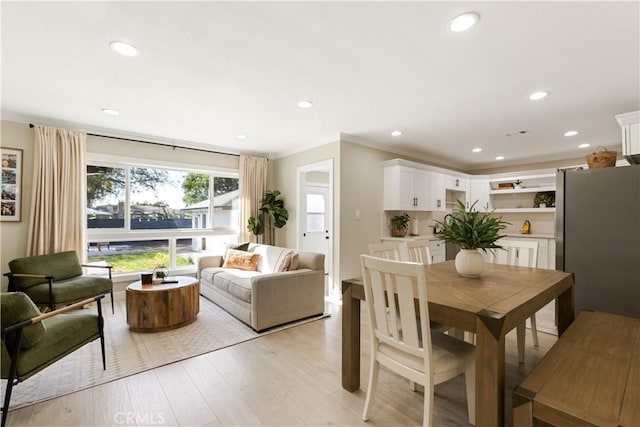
point(437, 192)
point(630, 124)
point(437, 250)
point(456, 183)
point(479, 190)
point(406, 189)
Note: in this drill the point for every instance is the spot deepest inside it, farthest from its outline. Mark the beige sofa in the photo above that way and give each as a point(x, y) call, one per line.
point(266, 297)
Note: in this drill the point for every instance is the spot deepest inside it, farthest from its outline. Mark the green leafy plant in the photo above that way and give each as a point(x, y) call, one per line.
point(470, 229)
point(542, 197)
point(399, 224)
point(271, 215)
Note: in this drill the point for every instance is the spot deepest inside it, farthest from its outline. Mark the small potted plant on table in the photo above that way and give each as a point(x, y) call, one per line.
point(470, 230)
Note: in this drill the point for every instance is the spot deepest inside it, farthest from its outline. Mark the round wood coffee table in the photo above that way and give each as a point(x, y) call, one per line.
point(155, 308)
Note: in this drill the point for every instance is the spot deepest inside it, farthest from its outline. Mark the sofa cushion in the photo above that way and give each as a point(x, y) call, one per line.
point(236, 283)
point(241, 260)
point(270, 257)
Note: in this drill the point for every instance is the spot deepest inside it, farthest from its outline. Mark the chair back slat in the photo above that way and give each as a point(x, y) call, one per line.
point(419, 251)
point(515, 252)
point(390, 291)
point(385, 250)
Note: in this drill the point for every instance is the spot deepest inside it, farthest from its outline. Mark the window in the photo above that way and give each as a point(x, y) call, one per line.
point(141, 217)
point(315, 212)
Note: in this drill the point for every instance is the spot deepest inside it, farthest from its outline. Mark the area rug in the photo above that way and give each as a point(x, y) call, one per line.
point(130, 353)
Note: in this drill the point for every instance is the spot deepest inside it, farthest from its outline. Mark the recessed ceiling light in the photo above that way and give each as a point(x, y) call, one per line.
point(584, 145)
point(500, 158)
point(463, 22)
point(538, 95)
point(124, 48)
point(396, 133)
point(305, 104)
point(110, 112)
point(477, 150)
point(571, 133)
point(241, 136)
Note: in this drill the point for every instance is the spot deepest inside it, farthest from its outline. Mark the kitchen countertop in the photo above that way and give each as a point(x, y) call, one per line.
point(410, 238)
point(532, 235)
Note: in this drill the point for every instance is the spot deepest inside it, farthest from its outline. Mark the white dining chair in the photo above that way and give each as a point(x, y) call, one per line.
point(385, 250)
point(407, 347)
point(521, 253)
point(419, 251)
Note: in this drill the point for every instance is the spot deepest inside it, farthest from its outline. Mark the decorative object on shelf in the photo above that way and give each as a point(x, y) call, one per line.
point(414, 227)
point(470, 230)
point(505, 186)
point(160, 273)
point(399, 225)
point(518, 184)
point(544, 199)
point(526, 227)
point(271, 215)
point(602, 159)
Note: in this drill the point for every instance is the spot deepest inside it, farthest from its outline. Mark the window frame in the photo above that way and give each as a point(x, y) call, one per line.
point(104, 235)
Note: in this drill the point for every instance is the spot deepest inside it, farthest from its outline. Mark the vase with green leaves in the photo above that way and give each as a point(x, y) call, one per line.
point(271, 215)
point(471, 230)
point(399, 225)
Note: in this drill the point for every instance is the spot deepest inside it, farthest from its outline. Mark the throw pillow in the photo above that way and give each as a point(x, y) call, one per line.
point(289, 263)
point(241, 260)
point(15, 308)
point(242, 247)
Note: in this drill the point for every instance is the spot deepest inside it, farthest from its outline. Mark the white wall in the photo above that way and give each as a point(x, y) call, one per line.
point(13, 235)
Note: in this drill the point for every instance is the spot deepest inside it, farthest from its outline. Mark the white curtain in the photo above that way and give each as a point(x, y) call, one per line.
point(253, 184)
point(58, 199)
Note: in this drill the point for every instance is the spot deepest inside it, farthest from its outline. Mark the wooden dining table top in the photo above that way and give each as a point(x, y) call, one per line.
point(490, 305)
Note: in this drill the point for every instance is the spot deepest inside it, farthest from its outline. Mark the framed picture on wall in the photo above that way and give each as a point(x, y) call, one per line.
point(11, 200)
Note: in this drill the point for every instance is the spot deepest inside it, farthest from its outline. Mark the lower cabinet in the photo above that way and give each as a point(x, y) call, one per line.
point(437, 249)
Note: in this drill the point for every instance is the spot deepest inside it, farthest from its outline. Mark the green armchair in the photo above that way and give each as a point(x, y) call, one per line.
point(56, 280)
point(31, 341)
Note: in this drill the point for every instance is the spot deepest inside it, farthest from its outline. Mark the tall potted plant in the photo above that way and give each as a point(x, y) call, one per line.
point(271, 215)
point(470, 230)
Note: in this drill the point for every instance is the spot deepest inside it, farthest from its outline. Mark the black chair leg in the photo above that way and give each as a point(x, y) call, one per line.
point(7, 398)
point(113, 311)
point(12, 375)
point(101, 328)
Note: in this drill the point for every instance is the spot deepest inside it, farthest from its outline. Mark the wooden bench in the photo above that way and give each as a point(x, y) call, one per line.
point(590, 377)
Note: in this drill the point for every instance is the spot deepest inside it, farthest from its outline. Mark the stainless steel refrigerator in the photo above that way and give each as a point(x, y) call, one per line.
point(598, 237)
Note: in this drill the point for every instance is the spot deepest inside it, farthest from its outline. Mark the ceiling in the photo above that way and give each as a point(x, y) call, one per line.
point(208, 71)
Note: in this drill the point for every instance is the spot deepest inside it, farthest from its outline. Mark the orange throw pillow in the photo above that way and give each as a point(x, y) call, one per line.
point(241, 260)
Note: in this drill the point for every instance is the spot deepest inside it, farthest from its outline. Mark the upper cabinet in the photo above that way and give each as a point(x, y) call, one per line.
point(523, 193)
point(479, 191)
point(630, 124)
point(406, 189)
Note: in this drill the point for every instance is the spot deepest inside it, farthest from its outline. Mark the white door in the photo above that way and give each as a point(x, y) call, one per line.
point(315, 218)
point(316, 236)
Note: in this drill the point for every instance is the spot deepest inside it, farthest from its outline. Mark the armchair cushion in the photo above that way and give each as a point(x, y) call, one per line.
point(65, 334)
point(15, 308)
point(62, 265)
point(72, 290)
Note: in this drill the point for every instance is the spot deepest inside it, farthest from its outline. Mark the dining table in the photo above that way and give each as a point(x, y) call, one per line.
point(489, 306)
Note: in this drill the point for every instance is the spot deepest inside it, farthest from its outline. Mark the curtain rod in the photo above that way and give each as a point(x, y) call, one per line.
point(157, 143)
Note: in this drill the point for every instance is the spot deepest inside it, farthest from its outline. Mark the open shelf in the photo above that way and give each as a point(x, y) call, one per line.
point(523, 190)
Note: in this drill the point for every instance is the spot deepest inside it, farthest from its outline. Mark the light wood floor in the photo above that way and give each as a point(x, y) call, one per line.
point(289, 378)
